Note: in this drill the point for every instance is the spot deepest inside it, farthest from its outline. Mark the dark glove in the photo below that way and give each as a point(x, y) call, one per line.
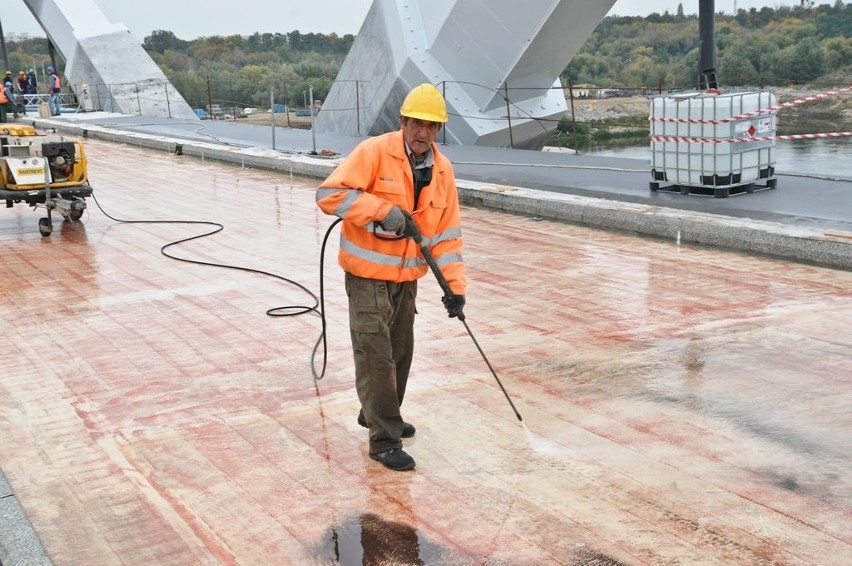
point(411, 230)
point(455, 305)
point(394, 221)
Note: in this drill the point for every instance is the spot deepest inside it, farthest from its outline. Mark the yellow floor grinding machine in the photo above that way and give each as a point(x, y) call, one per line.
point(43, 169)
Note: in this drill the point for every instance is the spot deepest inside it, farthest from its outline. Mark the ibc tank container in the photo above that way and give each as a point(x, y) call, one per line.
point(711, 164)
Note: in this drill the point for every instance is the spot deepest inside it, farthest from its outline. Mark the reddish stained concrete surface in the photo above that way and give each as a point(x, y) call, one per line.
point(680, 405)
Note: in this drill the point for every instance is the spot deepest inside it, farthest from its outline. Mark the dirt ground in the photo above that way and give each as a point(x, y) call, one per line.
point(604, 109)
point(265, 119)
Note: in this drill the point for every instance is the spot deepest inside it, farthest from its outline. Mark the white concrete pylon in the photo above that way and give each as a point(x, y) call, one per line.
point(120, 75)
point(475, 51)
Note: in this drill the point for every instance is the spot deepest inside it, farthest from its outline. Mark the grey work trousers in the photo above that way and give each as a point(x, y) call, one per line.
point(381, 323)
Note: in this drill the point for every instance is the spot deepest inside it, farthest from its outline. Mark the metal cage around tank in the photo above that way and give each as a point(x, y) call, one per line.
point(708, 143)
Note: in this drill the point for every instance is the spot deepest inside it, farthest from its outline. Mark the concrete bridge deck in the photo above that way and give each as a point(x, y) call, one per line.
point(682, 404)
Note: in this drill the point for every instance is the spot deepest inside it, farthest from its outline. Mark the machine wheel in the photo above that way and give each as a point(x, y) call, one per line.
point(771, 183)
point(44, 227)
point(654, 187)
point(75, 211)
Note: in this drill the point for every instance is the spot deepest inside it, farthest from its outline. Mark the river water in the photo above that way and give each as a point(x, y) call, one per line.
point(821, 157)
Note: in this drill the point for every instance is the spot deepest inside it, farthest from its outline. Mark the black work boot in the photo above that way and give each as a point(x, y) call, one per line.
point(408, 429)
point(395, 459)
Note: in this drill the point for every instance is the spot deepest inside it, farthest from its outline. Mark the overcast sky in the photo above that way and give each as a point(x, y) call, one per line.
point(189, 19)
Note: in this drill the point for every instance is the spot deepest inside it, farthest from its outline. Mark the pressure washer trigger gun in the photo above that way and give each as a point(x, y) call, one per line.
point(411, 230)
point(380, 232)
point(383, 234)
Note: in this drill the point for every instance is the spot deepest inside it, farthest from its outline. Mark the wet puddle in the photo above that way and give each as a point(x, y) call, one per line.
point(370, 539)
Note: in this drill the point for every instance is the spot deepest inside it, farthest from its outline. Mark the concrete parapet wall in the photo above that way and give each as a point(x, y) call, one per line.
point(747, 235)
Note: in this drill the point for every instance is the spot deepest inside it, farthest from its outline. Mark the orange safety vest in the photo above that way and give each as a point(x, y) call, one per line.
point(362, 190)
point(3, 98)
point(54, 79)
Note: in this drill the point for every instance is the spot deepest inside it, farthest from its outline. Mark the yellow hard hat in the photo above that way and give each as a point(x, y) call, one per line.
point(425, 102)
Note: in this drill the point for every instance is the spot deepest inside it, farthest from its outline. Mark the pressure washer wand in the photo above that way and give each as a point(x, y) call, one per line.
point(442, 281)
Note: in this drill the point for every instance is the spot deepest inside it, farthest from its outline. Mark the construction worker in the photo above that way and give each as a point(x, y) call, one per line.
point(32, 82)
point(20, 90)
point(5, 104)
point(9, 93)
point(54, 85)
point(21, 83)
point(388, 189)
point(7, 99)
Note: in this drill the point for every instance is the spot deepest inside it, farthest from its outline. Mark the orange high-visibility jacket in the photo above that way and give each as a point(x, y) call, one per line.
point(362, 190)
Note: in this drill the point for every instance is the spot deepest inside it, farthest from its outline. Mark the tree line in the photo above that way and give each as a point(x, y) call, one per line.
point(765, 47)
point(231, 70)
point(243, 71)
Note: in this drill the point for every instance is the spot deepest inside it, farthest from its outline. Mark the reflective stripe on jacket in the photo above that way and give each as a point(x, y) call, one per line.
point(362, 190)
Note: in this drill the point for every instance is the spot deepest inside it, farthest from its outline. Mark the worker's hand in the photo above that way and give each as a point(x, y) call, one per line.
point(394, 221)
point(411, 230)
point(455, 305)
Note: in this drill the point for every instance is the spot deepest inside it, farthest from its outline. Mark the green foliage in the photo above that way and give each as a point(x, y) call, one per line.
point(583, 133)
point(26, 54)
point(161, 40)
point(566, 127)
point(754, 47)
point(605, 134)
point(243, 71)
point(838, 52)
point(803, 61)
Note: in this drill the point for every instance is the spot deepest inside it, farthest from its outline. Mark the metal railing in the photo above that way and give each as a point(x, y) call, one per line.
point(33, 101)
point(124, 98)
point(506, 102)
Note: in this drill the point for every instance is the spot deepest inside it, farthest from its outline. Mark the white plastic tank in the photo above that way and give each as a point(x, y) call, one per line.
point(714, 142)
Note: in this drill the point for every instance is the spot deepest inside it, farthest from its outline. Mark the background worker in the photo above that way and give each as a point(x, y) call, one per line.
point(383, 178)
point(7, 99)
point(21, 86)
point(4, 105)
point(32, 82)
point(20, 91)
point(9, 81)
point(54, 86)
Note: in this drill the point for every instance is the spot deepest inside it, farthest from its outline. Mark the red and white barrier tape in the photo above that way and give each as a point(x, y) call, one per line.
point(678, 139)
point(759, 112)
